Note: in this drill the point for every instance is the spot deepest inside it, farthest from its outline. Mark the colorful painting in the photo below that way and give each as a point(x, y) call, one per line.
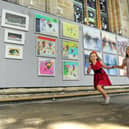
point(14, 36)
point(122, 44)
point(109, 42)
point(13, 51)
point(46, 25)
point(15, 20)
point(122, 71)
point(46, 46)
point(70, 50)
point(86, 60)
point(70, 30)
point(92, 38)
point(46, 67)
point(71, 70)
point(111, 60)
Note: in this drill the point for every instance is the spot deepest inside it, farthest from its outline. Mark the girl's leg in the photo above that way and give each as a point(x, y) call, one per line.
point(101, 90)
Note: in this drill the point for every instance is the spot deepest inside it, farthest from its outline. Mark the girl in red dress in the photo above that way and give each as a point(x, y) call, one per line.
point(101, 79)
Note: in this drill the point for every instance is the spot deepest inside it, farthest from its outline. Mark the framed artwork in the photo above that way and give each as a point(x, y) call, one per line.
point(109, 42)
point(111, 60)
point(46, 67)
point(70, 70)
point(86, 60)
point(46, 46)
point(92, 39)
point(123, 72)
point(46, 25)
point(122, 44)
point(13, 51)
point(14, 36)
point(70, 30)
point(70, 49)
point(15, 20)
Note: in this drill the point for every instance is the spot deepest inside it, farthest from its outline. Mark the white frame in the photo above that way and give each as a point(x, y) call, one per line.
point(15, 46)
point(15, 32)
point(78, 78)
point(40, 59)
point(4, 12)
point(67, 37)
point(38, 44)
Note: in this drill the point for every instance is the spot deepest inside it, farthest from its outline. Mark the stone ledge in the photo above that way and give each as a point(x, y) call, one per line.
point(11, 91)
point(30, 97)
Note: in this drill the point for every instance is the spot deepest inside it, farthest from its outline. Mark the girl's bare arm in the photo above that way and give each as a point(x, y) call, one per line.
point(105, 66)
point(89, 69)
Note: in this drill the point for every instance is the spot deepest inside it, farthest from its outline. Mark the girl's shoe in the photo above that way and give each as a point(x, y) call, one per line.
point(107, 100)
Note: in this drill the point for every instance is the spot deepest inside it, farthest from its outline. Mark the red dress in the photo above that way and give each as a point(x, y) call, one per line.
point(100, 76)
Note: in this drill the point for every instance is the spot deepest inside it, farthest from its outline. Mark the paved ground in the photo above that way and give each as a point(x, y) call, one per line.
point(82, 113)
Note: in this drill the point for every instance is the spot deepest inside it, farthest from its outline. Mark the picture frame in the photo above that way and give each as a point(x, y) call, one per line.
point(111, 60)
point(15, 20)
point(46, 25)
point(92, 39)
point(14, 36)
point(46, 66)
point(13, 51)
point(46, 46)
point(70, 30)
point(70, 50)
point(109, 42)
point(70, 70)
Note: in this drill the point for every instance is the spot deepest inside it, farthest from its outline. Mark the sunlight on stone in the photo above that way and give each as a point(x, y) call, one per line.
point(75, 125)
point(8, 121)
point(68, 125)
point(110, 126)
point(27, 128)
point(33, 121)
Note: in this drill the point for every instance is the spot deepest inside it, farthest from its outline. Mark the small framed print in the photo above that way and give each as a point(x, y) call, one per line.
point(13, 51)
point(46, 67)
point(70, 49)
point(14, 36)
point(70, 70)
point(46, 46)
point(15, 20)
point(46, 25)
point(70, 30)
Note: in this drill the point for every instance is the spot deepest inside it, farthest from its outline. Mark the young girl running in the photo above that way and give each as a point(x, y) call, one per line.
point(125, 62)
point(101, 79)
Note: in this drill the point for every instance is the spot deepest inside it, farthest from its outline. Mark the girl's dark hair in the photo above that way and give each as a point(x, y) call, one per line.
point(98, 58)
point(126, 51)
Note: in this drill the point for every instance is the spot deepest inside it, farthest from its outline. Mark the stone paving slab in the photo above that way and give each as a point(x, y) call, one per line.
point(80, 113)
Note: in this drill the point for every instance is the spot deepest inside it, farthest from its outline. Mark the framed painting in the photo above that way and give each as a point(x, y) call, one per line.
point(46, 67)
point(109, 42)
point(122, 44)
point(70, 49)
point(14, 36)
point(70, 70)
point(70, 30)
point(111, 60)
point(46, 25)
point(86, 60)
point(92, 39)
point(46, 46)
point(13, 51)
point(15, 20)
